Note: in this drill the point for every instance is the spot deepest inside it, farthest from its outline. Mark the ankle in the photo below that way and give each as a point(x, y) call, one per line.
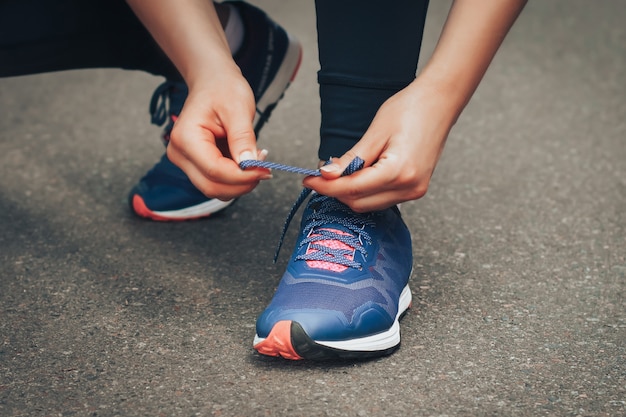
point(232, 24)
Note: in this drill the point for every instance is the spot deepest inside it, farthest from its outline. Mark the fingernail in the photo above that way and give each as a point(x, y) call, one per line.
point(329, 168)
point(245, 155)
point(263, 154)
point(266, 177)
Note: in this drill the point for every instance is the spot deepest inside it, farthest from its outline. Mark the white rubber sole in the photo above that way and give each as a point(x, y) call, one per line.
point(200, 210)
point(375, 343)
point(381, 341)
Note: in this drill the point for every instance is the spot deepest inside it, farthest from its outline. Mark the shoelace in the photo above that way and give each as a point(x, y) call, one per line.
point(273, 165)
point(325, 212)
point(161, 101)
point(320, 216)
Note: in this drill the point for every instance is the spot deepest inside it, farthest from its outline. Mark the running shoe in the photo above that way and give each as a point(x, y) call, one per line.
point(345, 287)
point(269, 59)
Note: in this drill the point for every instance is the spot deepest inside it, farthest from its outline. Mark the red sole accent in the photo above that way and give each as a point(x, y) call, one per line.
point(140, 208)
point(295, 71)
point(278, 342)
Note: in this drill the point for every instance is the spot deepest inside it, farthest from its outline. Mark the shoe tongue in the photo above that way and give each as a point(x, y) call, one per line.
point(331, 244)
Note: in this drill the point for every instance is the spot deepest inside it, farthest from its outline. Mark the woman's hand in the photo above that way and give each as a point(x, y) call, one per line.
point(213, 133)
point(214, 130)
point(400, 149)
point(404, 141)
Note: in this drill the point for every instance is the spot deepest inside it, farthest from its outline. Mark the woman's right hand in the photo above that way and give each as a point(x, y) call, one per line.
point(213, 133)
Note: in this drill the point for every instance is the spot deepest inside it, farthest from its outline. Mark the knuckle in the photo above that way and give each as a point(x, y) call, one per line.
point(209, 172)
point(419, 191)
point(411, 180)
point(229, 193)
point(407, 177)
point(240, 135)
point(353, 193)
point(358, 207)
point(216, 192)
point(175, 137)
point(349, 155)
point(175, 155)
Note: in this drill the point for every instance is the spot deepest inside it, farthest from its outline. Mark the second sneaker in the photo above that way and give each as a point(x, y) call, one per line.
point(269, 59)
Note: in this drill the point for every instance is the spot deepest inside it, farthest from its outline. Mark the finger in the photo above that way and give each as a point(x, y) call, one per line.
point(204, 158)
point(242, 144)
point(363, 191)
point(368, 149)
point(211, 187)
point(375, 202)
point(373, 188)
point(367, 181)
point(360, 184)
point(240, 133)
point(359, 197)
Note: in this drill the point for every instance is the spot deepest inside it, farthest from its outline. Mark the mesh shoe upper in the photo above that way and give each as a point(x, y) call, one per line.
point(164, 187)
point(346, 274)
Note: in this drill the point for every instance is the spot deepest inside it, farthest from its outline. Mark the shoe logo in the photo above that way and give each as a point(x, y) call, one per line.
point(268, 61)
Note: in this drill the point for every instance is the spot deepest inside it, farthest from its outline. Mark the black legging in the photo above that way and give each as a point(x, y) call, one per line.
point(368, 51)
point(39, 36)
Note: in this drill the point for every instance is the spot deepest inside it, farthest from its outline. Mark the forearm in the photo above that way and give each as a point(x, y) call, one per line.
point(469, 40)
point(189, 32)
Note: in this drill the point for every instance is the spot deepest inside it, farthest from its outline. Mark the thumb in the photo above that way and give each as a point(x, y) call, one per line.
point(242, 144)
point(362, 155)
point(241, 138)
point(338, 167)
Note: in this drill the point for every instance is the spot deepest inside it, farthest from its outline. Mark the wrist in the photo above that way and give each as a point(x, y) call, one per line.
point(201, 74)
point(447, 97)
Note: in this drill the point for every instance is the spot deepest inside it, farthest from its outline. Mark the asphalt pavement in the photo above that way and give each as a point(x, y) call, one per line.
point(520, 250)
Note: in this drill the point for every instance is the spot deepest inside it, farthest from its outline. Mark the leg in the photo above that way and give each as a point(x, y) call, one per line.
point(368, 51)
point(42, 36)
point(346, 285)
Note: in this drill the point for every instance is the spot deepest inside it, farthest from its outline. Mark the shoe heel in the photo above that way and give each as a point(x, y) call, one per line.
point(283, 78)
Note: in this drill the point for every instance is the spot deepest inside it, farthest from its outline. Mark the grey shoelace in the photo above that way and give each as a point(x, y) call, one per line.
point(356, 164)
point(273, 165)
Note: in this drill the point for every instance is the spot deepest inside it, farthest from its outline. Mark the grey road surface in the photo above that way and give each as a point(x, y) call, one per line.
point(520, 248)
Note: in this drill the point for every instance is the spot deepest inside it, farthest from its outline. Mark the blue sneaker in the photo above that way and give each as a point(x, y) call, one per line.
point(345, 288)
point(269, 59)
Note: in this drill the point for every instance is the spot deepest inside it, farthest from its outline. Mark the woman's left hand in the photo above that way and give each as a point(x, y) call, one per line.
point(400, 149)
